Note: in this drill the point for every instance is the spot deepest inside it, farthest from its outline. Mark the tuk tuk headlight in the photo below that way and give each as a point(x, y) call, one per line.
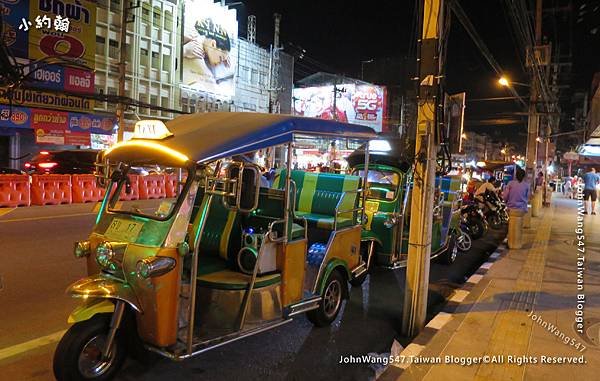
point(105, 254)
point(81, 249)
point(155, 266)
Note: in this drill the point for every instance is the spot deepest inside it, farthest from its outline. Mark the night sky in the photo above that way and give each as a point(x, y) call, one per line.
point(338, 34)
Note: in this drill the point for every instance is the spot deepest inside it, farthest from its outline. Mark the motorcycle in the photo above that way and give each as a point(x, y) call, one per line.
point(473, 220)
point(495, 210)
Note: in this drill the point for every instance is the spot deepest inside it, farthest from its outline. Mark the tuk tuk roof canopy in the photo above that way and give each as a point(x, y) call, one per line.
point(214, 135)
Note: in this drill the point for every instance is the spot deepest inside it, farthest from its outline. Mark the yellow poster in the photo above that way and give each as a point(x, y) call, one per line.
point(65, 28)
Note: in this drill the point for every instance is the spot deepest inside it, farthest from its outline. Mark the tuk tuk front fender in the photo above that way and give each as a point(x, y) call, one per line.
point(101, 286)
point(90, 308)
point(332, 265)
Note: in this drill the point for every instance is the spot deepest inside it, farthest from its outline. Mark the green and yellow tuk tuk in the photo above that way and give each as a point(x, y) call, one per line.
point(229, 256)
point(387, 206)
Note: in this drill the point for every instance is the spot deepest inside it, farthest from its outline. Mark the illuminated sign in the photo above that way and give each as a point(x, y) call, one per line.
point(151, 129)
point(209, 47)
point(358, 104)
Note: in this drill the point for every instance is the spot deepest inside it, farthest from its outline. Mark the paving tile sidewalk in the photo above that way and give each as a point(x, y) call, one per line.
point(524, 307)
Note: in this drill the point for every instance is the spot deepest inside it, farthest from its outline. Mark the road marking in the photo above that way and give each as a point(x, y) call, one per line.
point(5, 211)
point(412, 350)
point(475, 278)
point(46, 217)
point(30, 345)
point(459, 296)
point(439, 320)
point(486, 265)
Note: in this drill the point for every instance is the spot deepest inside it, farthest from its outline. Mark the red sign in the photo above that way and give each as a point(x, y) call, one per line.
point(49, 120)
point(81, 81)
point(77, 138)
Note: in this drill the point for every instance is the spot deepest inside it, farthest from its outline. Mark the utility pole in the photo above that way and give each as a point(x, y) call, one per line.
point(275, 68)
point(426, 147)
point(123, 66)
point(533, 122)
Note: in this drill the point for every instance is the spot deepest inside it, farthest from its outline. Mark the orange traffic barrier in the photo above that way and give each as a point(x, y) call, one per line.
point(152, 186)
point(14, 190)
point(134, 189)
point(50, 189)
point(85, 189)
point(171, 185)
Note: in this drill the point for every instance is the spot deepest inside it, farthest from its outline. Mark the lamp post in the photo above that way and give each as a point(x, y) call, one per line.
point(362, 68)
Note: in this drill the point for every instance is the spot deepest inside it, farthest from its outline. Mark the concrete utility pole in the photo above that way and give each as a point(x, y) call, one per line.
point(533, 122)
point(419, 239)
point(123, 64)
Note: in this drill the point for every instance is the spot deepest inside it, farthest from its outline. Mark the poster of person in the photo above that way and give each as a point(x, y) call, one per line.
point(358, 104)
point(209, 47)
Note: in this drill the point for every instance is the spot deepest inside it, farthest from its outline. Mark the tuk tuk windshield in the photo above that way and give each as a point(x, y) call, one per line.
point(382, 183)
point(149, 191)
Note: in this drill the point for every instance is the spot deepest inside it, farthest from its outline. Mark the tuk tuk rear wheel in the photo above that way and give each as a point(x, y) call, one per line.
point(331, 301)
point(451, 252)
point(78, 356)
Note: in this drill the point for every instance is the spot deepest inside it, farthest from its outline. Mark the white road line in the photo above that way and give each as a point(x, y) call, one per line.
point(30, 345)
point(46, 217)
point(411, 350)
point(459, 296)
point(475, 278)
point(439, 320)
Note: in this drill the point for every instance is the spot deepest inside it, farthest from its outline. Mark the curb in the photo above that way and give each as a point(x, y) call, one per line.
point(439, 321)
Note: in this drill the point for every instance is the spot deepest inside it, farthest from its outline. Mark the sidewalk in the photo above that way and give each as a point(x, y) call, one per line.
point(523, 306)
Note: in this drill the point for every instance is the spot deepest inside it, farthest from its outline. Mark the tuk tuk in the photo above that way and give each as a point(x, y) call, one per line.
point(388, 202)
point(228, 256)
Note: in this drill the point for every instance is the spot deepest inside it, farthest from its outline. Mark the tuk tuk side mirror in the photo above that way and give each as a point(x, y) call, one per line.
point(245, 190)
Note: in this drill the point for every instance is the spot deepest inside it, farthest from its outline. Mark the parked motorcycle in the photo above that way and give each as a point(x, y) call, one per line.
point(473, 221)
point(495, 210)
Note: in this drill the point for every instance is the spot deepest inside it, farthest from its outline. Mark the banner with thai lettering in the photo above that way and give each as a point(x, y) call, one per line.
point(65, 29)
point(36, 29)
point(34, 98)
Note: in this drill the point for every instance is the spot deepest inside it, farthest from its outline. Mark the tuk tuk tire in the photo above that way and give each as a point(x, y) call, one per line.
point(318, 316)
point(67, 355)
point(451, 251)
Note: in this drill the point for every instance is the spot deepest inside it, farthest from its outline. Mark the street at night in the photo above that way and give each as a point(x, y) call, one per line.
point(299, 190)
point(36, 306)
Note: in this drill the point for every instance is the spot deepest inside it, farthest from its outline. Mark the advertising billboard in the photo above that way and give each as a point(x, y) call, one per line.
point(37, 29)
point(209, 47)
point(455, 120)
point(358, 104)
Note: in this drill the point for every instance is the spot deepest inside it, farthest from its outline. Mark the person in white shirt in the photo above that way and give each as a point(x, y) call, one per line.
point(487, 186)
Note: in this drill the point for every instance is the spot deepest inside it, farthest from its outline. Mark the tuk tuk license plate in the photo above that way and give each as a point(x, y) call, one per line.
point(123, 230)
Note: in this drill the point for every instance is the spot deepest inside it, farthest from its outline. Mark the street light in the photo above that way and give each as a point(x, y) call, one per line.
point(362, 68)
point(504, 81)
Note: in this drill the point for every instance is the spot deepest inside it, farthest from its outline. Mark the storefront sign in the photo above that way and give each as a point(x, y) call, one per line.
point(17, 117)
point(33, 98)
point(209, 47)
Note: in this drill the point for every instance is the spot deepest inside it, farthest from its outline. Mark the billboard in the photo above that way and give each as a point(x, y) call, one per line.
point(37, 29)
point(209, 47)
point(358, 104)
point(455, 120)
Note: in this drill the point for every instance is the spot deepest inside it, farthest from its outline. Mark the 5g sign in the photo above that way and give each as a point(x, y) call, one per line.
point(64, 46)
point(365, 104)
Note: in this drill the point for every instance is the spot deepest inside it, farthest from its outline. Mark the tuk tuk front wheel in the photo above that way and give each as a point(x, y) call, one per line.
point(331, 301)
point(78, 356)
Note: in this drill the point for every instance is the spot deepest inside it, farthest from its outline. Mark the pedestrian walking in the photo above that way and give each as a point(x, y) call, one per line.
point(590, 192)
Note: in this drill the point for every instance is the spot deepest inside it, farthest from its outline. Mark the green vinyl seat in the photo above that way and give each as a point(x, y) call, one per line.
point(319, 194)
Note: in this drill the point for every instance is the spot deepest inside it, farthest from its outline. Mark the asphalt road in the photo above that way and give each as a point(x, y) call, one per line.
point(36, 266)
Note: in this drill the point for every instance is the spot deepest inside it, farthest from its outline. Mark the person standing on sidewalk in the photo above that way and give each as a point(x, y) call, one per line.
point(590, 180)
point(516, 194)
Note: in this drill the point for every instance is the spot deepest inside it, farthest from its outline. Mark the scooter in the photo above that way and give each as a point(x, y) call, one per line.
point(473, 220)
